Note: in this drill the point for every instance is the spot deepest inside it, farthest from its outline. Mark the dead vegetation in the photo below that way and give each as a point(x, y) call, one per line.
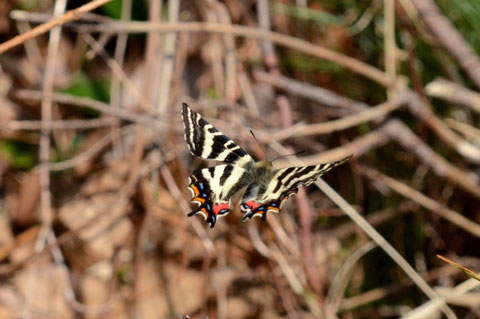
point(93, 166)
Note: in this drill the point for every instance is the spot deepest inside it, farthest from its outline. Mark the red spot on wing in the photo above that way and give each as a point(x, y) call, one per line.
point(218, 208)
point(253, 205)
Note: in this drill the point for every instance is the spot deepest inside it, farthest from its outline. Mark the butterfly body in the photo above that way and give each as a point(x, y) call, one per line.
point(262, 172)
point(266, 188)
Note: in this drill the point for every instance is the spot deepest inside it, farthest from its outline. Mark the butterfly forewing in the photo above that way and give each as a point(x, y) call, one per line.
point(260, 199)
point(205, 141)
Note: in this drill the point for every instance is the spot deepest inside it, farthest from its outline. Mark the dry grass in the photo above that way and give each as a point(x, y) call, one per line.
point(94, 201)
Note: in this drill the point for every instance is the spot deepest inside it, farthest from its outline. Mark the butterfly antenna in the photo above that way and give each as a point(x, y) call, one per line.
point(264, 154)
point(282, 156)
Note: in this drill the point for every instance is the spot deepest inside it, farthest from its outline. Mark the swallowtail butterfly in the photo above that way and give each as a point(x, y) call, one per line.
point(213, 188)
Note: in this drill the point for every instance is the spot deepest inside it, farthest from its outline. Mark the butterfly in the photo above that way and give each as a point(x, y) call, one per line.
point(213, 188)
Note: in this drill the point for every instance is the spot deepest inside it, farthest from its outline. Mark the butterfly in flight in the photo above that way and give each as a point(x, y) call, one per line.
point(213, 188)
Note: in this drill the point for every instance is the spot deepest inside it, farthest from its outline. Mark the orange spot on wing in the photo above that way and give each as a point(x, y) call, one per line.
point(195, 190)
point(198, 199)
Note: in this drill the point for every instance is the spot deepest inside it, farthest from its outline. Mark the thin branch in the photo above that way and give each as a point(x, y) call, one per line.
point(373, 113)
point(453, 92)
point(40, 17)
point(470, 132)
point(390, 289)
point(430, 204)
point(163, 97)
point(119, 55)
point(341, 279)
point(450, 38)
point(357, 147)
point(120, 199)
point(70, 16)
point(46, 113)
point(429, 309)
point(239, 30)
point(390, 47)
point(91, 103)
point(321, 95)
point(386, 246)
point(91, 151)
point(58, 125)
point(398, 131)
point(68, 290)
point(424, 111)
point(247, 93)
point(46, 211)
point(374, 219)
point(118, 72)
point(380, 240)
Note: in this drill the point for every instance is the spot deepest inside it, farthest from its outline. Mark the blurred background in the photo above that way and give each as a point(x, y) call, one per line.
point(93, 165)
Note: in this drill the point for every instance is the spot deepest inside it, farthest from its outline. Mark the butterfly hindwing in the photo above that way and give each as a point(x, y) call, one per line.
point(213, 188)
point(205, 141)
point(260, 198)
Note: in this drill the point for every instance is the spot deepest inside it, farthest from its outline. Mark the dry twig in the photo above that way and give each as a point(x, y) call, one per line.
point(450, 38)
point(250, 32)
point(453, 92)
point(430, 204)
point(70, 16)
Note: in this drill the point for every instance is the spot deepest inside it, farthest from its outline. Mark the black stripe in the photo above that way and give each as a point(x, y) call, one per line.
point(226, 174)
point(285, 173)
point(212, 171)
point(198, 136)
point(233, 157)
point(240, 152)
point(211, 129)
point(218, 145)
point(186, 123)
point(281, 177)
point(302, 171)
point(231, 145)
point(194, 122)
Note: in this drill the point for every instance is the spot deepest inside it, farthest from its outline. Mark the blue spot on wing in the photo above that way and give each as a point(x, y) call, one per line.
point(200, 185)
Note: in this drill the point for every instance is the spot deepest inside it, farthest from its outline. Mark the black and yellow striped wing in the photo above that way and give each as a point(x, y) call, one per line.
point(206, 142)
point(213, 189)
point(269, 197)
